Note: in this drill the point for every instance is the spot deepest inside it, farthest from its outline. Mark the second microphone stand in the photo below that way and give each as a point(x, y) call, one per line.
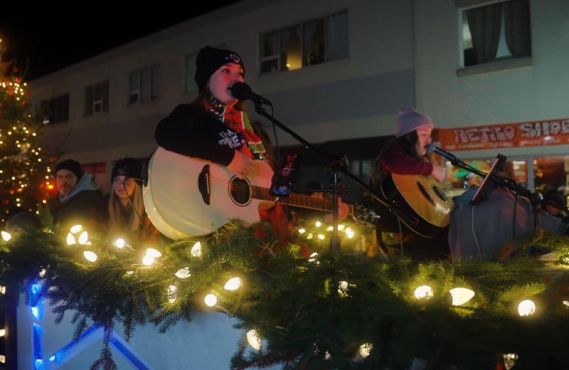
point(534, 198)
point(337, 166)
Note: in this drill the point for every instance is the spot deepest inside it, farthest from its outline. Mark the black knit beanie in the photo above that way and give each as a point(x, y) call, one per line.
point(70, 165)
point(128, 167)
point(209, 60)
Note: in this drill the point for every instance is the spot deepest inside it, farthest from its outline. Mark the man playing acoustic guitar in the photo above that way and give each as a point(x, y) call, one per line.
point(406, 176)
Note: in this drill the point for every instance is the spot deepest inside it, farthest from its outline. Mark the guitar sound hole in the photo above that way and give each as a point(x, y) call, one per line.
point(441, 194)
point(240, 191)
point(425, 194)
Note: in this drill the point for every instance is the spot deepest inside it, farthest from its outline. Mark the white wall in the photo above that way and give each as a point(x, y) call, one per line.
point(206, 343)
point(535, 92)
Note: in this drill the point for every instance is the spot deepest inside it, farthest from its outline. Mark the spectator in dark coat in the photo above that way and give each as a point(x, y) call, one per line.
point(78, 201)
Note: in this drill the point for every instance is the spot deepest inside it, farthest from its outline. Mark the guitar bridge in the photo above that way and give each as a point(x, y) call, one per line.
point(204, 184)
point(425, 194)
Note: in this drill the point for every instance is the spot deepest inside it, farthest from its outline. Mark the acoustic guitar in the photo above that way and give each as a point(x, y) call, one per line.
point(422, 198)
point(186, 196)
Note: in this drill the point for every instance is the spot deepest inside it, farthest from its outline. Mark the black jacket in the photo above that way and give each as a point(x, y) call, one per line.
point(191, 131)
point(84, 206)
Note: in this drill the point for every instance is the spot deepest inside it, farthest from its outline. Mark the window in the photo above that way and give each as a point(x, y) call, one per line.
point(143, 85)
point(55, 110)
point(551, 173)
point(551, 176)
point(497, 31)
point(97, 98)
point(314, 42)
point(97, 106)
point(190, 72)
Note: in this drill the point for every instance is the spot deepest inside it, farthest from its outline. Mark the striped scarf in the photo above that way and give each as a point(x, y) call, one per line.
point(239, 122)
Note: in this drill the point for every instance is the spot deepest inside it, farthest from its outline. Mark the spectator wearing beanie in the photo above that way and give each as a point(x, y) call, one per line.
point(67, 174)
point(78, 200)
point(407, 154)
point(126, 214)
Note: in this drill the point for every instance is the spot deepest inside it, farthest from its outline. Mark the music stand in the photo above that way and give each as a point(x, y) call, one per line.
point(482, 191)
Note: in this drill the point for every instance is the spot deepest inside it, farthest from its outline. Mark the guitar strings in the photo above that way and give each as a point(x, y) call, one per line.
point(220, 184)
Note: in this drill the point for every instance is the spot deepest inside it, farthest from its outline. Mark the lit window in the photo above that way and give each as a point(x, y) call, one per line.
point(314, 42)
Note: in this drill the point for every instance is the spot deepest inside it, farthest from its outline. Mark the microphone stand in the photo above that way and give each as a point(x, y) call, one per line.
point(535, 198)
point(337, 166)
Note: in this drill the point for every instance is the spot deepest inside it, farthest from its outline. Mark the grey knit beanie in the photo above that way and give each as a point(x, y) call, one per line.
point(410, 120)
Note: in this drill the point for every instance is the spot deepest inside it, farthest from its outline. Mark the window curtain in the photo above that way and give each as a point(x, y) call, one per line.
point(484, 24)
point(270, 48)
point(292, 58)
point(271, 44)
point(337, 37)
point(60, 110)
point(145, 85)
point(105, 96)
point(154, 80)
point(314, 42)
point(88, 101)
point(190, 70)
point(517, 27)
point(134, 81)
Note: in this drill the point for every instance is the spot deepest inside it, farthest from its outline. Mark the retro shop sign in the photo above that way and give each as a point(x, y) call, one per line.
point(509, 135)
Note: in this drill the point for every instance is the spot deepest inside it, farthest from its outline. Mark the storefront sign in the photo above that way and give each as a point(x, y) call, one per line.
point(511, 135)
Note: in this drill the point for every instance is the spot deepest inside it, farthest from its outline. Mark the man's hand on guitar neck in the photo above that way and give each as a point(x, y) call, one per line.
point(243, 166)
point(439, 173)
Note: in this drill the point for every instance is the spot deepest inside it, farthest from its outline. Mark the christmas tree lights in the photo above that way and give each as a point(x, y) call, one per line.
point(24, 167)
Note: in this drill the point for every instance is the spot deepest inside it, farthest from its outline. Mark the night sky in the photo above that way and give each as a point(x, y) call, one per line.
point(44, 37)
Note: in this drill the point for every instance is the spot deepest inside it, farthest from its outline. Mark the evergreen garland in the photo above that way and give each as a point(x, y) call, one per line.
point(312, 313)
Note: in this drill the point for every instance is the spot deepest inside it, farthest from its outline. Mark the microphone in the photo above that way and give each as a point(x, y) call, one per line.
point(242, 91)
point(432, 148)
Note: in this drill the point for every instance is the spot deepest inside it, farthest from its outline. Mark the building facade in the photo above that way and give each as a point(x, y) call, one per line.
point(334, 70)
point(337, 72)
point(507, 97)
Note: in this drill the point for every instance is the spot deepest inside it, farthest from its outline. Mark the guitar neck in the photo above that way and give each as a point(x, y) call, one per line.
point(294, 199)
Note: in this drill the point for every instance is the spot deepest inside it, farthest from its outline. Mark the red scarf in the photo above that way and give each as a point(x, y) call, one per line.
point(239, 121)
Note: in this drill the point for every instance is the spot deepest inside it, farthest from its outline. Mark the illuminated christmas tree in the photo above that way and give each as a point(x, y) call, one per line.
point(24, 167)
